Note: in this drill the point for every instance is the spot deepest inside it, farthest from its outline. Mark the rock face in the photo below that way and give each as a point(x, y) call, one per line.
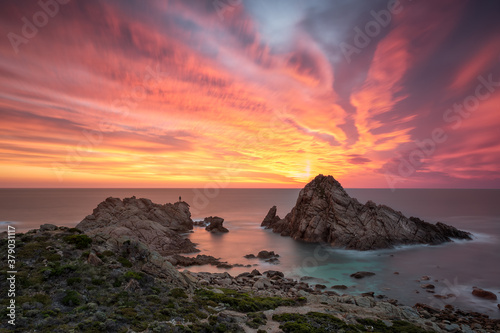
point(325, 213)
point(157, 226)
point(215, 224)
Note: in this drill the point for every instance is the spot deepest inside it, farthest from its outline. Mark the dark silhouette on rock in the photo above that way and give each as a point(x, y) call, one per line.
point(325, 213)
point(215, 224)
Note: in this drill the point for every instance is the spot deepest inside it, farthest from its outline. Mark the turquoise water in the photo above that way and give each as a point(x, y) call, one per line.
point(454, 268)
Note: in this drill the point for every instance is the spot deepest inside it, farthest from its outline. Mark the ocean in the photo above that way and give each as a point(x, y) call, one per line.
point(454, 268)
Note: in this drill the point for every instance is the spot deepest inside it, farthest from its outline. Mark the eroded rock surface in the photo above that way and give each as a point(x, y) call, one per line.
point(325, 213)
point(157, 226)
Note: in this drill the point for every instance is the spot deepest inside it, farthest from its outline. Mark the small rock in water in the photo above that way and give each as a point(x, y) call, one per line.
point(339, 286)
point(478, 292)
point(360, 275)
point(428, 286)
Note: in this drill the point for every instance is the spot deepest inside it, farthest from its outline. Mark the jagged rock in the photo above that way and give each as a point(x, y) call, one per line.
point(325, 213)
point(478, 292)
point(132, 285)
point(215, 224)
point(267, 254)
point(156, 225)
point(270, 218)
point(360, 275)
point(94, 260)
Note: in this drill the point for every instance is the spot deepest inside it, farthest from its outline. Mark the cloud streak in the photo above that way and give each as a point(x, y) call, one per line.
point(168, 94)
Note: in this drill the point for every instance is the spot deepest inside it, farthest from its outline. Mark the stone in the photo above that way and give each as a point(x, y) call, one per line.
point(94, 260)
point(132, 285)
point(362, 274)
point(478, 292)
point(340, 287)
point(364, 302)
point(48, 227)
point(324, 213)
point(262, 283)
point(452, 327)
point(267, 254)
point(215, 224)
point(428, 286)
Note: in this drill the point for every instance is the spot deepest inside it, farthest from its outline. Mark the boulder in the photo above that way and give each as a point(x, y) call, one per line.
point(215, 224)
point(478, 292)
point(267, 254)
point(94, 260)
point(362, 274)
point(324, 213)
point(48, 227)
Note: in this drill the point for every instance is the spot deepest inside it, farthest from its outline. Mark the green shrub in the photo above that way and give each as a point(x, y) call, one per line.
point(108, 253)
point(124, 261)
point(80, 241)
point(73, 280)
point(241, 301)
point(72, 298)
point(133, 275)
point(178, 293)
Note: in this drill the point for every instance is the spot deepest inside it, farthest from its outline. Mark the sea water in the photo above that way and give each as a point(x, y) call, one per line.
point(454, 268)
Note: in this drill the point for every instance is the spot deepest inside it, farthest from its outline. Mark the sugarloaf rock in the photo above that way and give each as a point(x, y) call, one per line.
point(325, 213)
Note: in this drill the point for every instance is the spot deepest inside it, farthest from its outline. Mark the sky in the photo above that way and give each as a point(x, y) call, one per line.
point(234, 93)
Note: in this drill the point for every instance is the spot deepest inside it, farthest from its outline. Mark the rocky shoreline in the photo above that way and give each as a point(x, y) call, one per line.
point(122, 270)
point(70, 281)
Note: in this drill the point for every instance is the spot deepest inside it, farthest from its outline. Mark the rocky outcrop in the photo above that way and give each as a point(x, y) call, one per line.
point(325, 213)
point(157, 226)
point(215, 224)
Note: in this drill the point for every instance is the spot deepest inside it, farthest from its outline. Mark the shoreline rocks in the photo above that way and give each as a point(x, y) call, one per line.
point(214, 224)
point(324, 213)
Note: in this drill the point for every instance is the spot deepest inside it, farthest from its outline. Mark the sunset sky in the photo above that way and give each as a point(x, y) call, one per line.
point(257, 93)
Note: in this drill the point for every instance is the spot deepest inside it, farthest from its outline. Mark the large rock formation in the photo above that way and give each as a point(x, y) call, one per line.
point(325, 213)
point(156, 226)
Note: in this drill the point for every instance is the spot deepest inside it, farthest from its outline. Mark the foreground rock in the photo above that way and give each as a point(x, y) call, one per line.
point(156, 226)
point(478, 292)
point(325, 213)
point(215, 224)
point(73, 282)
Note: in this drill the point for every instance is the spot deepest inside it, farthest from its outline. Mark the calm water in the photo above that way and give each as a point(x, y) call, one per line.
point(457, 267)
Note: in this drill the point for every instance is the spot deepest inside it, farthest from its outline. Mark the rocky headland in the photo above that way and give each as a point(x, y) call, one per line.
point(325, 213)
point(157, 227)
